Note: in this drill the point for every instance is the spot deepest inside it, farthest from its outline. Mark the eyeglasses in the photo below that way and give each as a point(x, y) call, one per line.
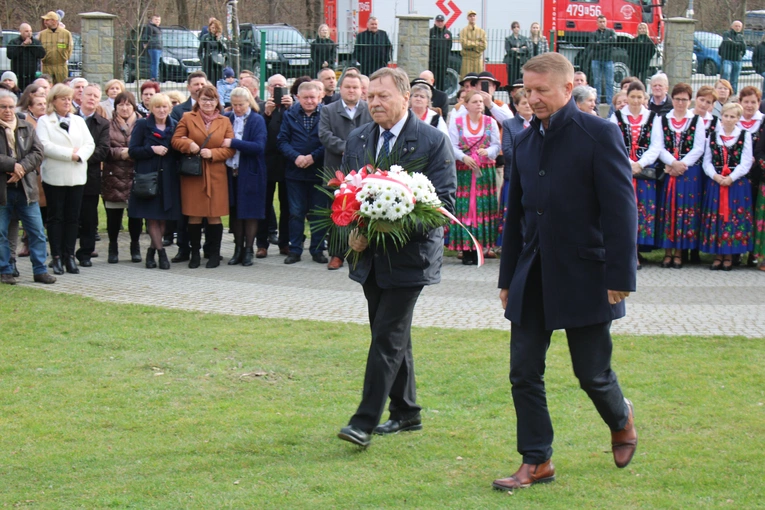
point(207, 100)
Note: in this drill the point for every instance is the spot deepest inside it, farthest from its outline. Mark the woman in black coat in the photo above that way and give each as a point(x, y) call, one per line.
point(152, 151)
point(323, 51)
point(641, 51)
point(212, 52)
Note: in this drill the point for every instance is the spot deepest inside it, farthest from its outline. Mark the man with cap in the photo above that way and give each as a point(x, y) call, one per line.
point(473, 41)
point(517, 84)
point(58, 45)
point(440, 49)
point(25, 53)
point(440, 99)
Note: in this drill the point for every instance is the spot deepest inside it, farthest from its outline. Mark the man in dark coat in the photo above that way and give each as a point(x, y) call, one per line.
point(372, 49)
point(335, 125)
point(440, 49)
point(20, 156)
point(732, 51)
point(25, 53)
point(99, 130)
point(393, 279)
point(572, 268)
point(304, 154)
point(275, 162)
point(194, 83)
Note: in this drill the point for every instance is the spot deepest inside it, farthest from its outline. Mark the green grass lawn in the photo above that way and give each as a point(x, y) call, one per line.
point(115, 406)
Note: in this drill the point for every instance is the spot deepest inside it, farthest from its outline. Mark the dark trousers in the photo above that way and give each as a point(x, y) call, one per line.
point(63, 217)
point(303, 198)
point(439, 74)
point(264, 225)
point(590, 349)
point(88, 226)
point(390, 366)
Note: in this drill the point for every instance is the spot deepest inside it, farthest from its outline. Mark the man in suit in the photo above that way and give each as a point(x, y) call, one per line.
point(328, 80)
point(275, 163)
point(194, 83)
point(337, 121)
point(304, 154)
point(573, 267)
point(372, 49)
point(440, 99)
point(99, 130)
point(393, 279)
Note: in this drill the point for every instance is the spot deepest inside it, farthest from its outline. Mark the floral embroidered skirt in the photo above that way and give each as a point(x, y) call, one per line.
point(730, 237)
point(759, 221)
point(645, 190)
point(687, 216)
point(476, 207)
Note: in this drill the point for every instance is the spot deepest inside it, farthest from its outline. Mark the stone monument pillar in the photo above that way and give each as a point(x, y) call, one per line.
point(678, 50)
point(413, 43)
point(98, 47)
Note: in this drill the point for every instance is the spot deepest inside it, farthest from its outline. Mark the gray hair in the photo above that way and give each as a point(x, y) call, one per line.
point(399, 77)
point(244, 93)
point(660, 77)
point(77, 81)
point(310, 85)
point(423, 88)
point(583, 92)
point(7, 93)
point(275, 76)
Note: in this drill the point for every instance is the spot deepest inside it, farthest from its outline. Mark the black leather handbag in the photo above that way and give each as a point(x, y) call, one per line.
point(191, 164)
point(145, 185)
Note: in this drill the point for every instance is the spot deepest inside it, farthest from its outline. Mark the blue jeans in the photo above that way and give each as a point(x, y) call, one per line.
point(30, 217)
point(154, 55)
point(731, 70)
point(303, 197)
point(603, 70)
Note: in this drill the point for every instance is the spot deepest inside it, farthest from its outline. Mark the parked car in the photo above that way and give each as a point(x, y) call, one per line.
point(5, 63)
point(705, 46)
point(179, 56)
point(287, 51)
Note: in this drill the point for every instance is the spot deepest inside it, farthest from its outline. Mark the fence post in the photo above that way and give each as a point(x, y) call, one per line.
point(413, 43)
point(263, 77)
point(97, 34)
point(678, 50)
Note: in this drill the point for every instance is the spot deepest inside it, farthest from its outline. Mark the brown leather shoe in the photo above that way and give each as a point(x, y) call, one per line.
point(261, 253)
point(284, 250)
point(7, 279)
point(335, 263)
point(624, 442)
point(526, 476)
point(45, 278)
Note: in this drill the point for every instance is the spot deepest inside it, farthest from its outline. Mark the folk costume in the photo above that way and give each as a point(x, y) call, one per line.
point(726, 225)
point(680, 210)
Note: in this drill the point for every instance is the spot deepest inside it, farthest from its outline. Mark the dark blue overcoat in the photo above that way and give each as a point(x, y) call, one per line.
point(249, 194)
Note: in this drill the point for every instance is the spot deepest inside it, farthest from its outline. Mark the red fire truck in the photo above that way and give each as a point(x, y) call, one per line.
point(569, 22)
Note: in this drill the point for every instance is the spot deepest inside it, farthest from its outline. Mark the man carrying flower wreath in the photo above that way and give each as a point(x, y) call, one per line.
point(393, 276)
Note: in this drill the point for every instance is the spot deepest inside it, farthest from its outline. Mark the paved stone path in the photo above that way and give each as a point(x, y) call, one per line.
point(690, 301)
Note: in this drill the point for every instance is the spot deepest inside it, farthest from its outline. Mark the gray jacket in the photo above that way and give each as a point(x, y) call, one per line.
point(29, 154)
point(334, 127)
point(418, 262)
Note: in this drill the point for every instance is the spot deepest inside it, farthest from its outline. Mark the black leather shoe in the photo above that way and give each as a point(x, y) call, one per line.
point(57, 267)
point(71, 265)
point(194, 261)
point(237, 257)
point(355, 436)
point(113, 254)
point(248, 254)
point(273, 239)
point(292, 258)
point(181, 256)
point(135, 252)
point(164, 263)
point(14, 269)
point(395, 426)
point(167, 240)
point(320, 258)
point(85, 262)
point(150, 262)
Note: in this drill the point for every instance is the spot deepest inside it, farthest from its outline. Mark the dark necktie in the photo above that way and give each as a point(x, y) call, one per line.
point(385, 150)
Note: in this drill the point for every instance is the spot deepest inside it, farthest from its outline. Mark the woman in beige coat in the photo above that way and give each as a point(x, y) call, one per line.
point(205, 196)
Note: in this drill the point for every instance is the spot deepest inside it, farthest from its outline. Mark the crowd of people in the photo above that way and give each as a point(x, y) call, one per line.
point(105, 145)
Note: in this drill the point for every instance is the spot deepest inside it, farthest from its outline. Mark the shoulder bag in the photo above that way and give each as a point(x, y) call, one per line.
point(191, 164)
point(145, 185)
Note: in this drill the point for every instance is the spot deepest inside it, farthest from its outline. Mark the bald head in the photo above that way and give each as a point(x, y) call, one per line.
point(25, 31)
point(428, 77)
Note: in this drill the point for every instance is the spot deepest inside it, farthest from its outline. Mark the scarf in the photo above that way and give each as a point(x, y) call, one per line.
point(208, 119)
point(10, 134)
point(239, 123)
point(126, 126)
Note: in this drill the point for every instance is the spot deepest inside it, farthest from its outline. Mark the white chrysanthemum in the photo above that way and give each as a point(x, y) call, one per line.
point(396, 168)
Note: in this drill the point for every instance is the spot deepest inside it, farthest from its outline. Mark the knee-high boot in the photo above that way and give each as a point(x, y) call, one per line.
point(195, 240)
point(213, 238)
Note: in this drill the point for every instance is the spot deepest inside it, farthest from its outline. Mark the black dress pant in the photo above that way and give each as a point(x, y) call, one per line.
point(284, 216)
point(590, 349)
point(390, 366)
point(88, 226)
point(63, 217)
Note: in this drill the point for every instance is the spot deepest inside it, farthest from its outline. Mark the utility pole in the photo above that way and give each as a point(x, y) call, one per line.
point(232, 17)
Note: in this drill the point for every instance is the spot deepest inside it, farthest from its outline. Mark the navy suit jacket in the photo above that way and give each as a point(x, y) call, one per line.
point(510, 128)
point(418, 262)
point(573, 186)
point(295, 141)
